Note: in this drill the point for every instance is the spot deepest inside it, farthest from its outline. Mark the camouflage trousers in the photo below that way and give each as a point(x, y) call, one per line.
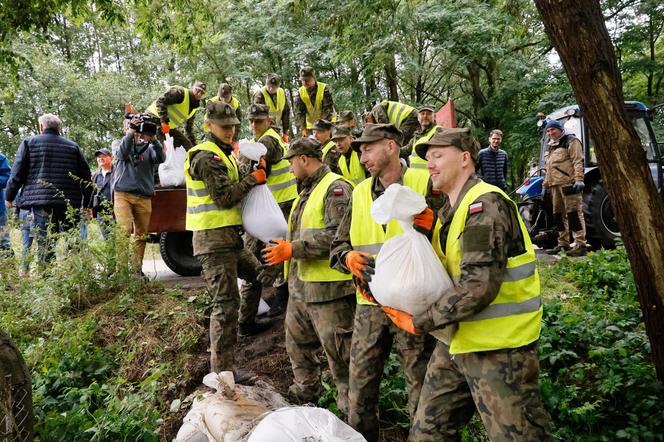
point(311, 326)
point(16, 414)
point(373, 336)
point(501, 385)
point(568, 215)
point(221, 271)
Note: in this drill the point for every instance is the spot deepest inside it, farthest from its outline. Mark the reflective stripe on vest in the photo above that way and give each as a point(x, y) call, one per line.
point(177, 113)
point(312, 224)
point(514, 318)
point(276, 110)
point(397, 112)
point(355, 174)
point(366, 235)
point(328, 147)
point(314, 112)
point(281, 181)
point(202, 212)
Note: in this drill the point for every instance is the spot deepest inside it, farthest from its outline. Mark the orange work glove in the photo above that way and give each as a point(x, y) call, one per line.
point(423, 222)
point(165, 128)
point(261, 164)
point(402, 320)
point(278, 252)
point(304, 132)
point(284, 138)
point(260, 176)
point(365, 291)
point(360, 264)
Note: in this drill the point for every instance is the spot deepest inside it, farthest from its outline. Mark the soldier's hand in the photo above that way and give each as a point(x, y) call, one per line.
point(284, 138)
point(361, 264)
point(402, 320)
point(165, 128)
point(365, 291)
point(423, 222)
point(278, 252)
point(260, 176)
point(578, 186)
point(304, 132)
point(261, 164)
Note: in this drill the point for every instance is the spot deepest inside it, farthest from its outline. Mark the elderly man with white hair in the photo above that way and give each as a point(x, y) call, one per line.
point(53, 175)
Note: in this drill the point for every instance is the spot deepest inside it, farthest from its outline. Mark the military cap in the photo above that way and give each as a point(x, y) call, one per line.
point(306, 72)
point(455, 137)
point(345, 116)
point(340, 132)
point(258, 112)
point(304, 146)
point(103, 151)
point(200, 85)
point(426, 107)
point(377, 132)
point(322, 125)
point(273, 80)
point(221, 113)
point(224, 89)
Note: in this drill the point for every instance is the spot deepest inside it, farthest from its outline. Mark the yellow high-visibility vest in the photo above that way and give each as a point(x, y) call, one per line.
point(312, 224)
point(366, 235)
point(276, 109)
point(177, 113)
point(355, 173)
point(328, 147)
point(281, 182)
point(415, 161)
point(234, 102)
point(202, 212)
point(514, 318)
point(315, 111)
point(397, 112)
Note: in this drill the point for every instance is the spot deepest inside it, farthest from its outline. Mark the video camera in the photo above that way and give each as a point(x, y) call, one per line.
point(143, 123)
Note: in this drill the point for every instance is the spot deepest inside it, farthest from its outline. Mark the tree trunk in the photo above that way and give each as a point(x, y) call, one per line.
point(391, 78)
point(578, 33)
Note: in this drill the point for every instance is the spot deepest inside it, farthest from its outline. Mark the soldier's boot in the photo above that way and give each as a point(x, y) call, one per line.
point(254, 327)
point(243, 376)
point(578, 250)
point(557, 249)
point(280, 301)
point(300, 397)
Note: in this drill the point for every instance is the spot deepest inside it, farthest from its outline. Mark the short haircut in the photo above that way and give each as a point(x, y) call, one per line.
point(51, 121)
point(496, 132)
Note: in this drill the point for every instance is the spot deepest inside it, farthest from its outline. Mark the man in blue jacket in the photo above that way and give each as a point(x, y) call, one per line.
point(54, 175)
point(5, 170)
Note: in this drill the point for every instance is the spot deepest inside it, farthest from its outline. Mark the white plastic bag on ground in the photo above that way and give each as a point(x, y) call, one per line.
point(171, 171)
point(409, 275)
point(303, 424)
point(261, 216)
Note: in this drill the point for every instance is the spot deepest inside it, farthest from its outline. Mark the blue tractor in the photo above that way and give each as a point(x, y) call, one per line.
point(601, 226)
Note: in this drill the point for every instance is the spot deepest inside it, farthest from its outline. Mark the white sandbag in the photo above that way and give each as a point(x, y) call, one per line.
point(171, 171)
point(303, 424)
point(409, 275)
point(252, 150)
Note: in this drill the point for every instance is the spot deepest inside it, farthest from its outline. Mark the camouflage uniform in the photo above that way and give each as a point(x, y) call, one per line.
point(285, 114)
point(502, 384)
point(172, 96)
point(319, 313)
point(332, 160)
point(301, 108)
point(407, 150)
point(223, 257)
point(564, 166)
point(373, 337)
point(407, 127)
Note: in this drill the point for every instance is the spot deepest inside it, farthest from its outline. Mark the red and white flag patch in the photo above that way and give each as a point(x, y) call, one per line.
point(475, 208)
point(338, 191)
point(216, 158)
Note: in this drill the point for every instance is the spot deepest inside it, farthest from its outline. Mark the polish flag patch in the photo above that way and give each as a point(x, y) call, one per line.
point(475, 208)
point(216, 158)
point(338, 191)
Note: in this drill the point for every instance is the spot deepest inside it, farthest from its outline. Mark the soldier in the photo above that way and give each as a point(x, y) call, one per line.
point(225, 95)
point(176, 107)
point(282, 184)
point(322, 305)
point(349, 160)
point(404, 117)
point(358, 239)
point(564, 179)
point(487, 325)
point(274, 97)
point(427, 121)
point(214, 191)
point(322, 131)
point(347, 119)
point(314, 102)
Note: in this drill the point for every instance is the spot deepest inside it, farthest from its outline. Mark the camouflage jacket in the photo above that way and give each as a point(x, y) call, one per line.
point(175, 95)
point(489, 238)
point(285, 114)
point(301, 108)
point(564, 162)
point(225, 193)
point(342, 245)
point(336, 201)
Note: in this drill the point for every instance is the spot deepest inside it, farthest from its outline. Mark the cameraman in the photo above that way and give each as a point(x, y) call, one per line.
point(133, 181)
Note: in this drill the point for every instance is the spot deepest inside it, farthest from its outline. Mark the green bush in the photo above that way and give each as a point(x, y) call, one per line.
point(597, 379)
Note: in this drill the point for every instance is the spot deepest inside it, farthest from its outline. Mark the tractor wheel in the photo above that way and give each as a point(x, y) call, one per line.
point(601, 226)
point(178, 253)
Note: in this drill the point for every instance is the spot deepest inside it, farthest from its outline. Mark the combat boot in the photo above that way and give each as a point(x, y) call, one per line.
point(254, 327)
point(557, 249)
point(280, 301)
point(578, 251)
point(243, 377)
